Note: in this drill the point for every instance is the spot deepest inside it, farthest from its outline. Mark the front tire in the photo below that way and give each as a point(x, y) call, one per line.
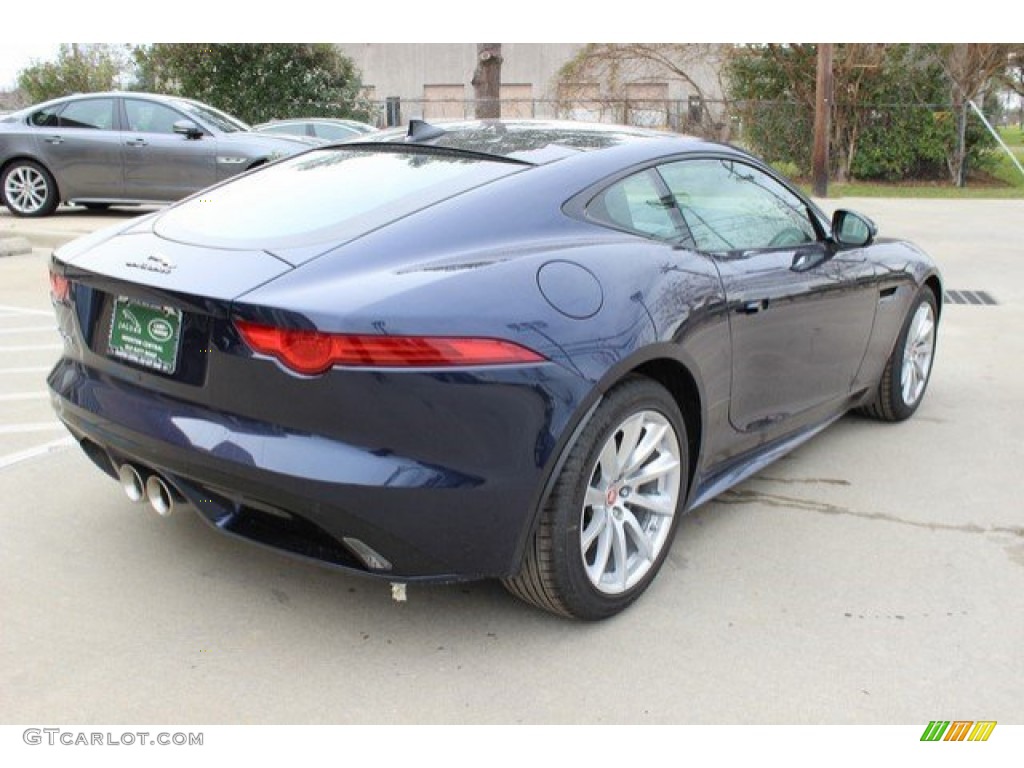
point(909, 367)
point(609, 521)
point(28, 189)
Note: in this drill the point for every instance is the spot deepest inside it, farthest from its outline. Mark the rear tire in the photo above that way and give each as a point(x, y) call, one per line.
point(28, 189)
point(909, 367)
point(612, 513)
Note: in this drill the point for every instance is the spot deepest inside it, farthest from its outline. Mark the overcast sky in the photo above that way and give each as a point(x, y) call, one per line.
point(15, 56)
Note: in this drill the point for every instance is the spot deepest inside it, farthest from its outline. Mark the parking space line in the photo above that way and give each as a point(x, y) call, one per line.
point(29, 329)
point(31, 348)
point(13, 396)
point(7, 309)
point(40, 450)
point(34, 426)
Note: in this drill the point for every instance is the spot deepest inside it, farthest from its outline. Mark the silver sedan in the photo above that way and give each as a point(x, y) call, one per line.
point(101, 149)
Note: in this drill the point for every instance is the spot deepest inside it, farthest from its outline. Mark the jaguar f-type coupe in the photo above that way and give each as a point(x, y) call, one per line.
point(513, 350)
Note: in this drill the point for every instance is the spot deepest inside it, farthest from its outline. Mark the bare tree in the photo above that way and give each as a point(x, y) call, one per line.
point(487, 81)
point(1012, 78)
point(970, 67)
point(616, 65)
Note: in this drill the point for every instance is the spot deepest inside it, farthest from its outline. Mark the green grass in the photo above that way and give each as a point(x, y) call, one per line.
point(1012, 135)
point(931, 191)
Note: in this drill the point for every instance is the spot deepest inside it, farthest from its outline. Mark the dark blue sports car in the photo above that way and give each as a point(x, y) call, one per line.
point(515, 350)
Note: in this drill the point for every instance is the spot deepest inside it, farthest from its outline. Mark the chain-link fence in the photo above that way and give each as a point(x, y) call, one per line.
point(693, 116)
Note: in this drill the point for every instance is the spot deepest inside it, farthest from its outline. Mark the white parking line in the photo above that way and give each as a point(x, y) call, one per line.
point(6, 309)
point(34, 426)
point(31, 348)
point(40, 450)
point(30, 329)
point(10, 398)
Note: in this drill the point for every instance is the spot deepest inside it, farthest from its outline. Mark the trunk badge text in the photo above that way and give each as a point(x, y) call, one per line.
point(155, 263)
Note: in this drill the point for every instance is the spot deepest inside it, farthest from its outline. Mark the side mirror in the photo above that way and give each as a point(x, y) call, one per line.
point(188, 129)
point(852, 229)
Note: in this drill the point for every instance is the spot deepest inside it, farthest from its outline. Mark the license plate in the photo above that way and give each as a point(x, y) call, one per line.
point(145, 334)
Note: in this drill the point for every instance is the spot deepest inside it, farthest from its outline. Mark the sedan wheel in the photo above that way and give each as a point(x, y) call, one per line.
point(608, 523)
point(908, 369)
point(28, 189)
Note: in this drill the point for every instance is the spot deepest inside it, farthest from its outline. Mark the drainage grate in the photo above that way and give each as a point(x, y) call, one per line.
point(969, 297)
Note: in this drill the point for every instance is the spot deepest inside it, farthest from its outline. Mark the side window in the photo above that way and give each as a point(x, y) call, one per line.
point(89, 113)
point(288, 129)
point(731, 206)
point(150, 117)
point(333, 132)
point(636, 203)
point(46, 118)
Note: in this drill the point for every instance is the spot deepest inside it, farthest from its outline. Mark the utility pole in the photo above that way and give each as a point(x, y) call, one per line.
point(822, 120)
point(487, 81)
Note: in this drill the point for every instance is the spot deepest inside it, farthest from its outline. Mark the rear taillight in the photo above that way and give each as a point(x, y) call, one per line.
point(313, 352)
point(60, 287)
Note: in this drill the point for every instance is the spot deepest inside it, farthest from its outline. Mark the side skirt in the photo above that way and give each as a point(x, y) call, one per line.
point(740, 468)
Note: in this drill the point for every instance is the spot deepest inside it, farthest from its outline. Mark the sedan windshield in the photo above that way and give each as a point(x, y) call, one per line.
point(222, 121)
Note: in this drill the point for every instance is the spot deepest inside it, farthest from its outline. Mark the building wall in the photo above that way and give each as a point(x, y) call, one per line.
point(405, 69)
point(433, 81)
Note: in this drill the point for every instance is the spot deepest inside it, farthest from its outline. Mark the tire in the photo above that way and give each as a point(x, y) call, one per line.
point(909, 367)
point(28, 189)
point(606, 528)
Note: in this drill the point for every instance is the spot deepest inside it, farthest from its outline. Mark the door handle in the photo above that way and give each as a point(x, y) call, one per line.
point(753, 307)
point(54, 139)
point(136, 143)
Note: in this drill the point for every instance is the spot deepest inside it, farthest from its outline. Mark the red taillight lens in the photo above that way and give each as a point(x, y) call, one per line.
point(313, 352)
point(60, 287)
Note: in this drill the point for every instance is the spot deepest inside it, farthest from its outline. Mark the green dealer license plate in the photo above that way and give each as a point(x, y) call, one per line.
point(145, 334)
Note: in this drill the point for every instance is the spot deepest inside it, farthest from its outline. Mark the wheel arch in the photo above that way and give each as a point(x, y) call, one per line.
point(935, 285)
point(668, 366)
point(681, 384)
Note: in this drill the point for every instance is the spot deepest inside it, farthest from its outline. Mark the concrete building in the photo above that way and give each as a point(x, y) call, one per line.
point(432, 81)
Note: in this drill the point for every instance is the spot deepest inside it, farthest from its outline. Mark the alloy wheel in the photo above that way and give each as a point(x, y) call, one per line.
point(26, 189)
point(631, 498)
point(917, 354)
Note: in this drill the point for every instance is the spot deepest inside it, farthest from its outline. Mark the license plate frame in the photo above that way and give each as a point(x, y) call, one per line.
point(148, 335)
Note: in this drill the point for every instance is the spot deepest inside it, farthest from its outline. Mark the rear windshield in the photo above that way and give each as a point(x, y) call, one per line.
point(325, 196)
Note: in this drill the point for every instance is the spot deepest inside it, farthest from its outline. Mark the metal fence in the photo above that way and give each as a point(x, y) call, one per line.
point(693, 116)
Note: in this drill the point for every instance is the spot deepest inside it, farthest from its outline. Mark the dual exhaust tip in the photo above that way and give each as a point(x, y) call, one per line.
point(153, 489)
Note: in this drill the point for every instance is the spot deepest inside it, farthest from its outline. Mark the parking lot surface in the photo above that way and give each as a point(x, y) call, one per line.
point(875, 575)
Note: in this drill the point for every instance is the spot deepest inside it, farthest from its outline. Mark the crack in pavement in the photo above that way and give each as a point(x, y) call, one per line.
point(804, 480)
point(735, 496)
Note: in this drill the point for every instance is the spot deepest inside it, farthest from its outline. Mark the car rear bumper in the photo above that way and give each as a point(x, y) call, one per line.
point(320, 497)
